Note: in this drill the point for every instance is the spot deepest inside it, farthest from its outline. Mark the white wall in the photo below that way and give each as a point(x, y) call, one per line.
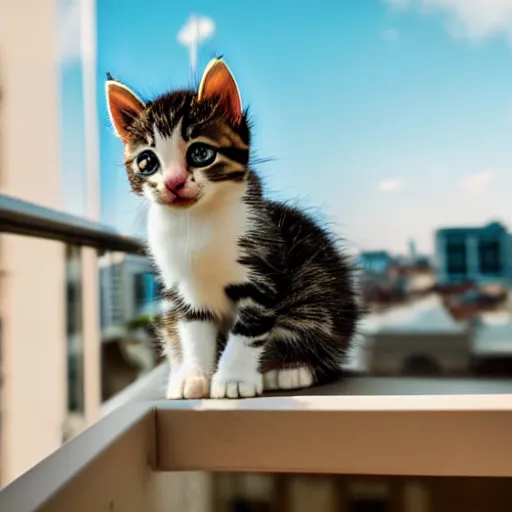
point(32, 301)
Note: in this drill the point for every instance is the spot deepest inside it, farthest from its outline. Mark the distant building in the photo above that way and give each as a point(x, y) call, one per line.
point(418, 340)
point(129, 289)
point(492, 345)
point(412, 251)
point(377, 262)
point(477, 254)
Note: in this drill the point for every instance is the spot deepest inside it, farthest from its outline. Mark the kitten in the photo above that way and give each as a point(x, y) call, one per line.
point(260, 296)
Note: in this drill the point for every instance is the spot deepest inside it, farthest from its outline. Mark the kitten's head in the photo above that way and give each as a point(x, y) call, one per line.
point(185, 147)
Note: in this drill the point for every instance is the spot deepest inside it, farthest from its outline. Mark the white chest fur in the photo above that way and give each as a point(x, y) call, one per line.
point(198, 253)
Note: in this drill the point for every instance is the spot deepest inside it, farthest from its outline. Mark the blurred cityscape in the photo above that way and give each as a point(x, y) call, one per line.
point(441, 315)
point(77, 322)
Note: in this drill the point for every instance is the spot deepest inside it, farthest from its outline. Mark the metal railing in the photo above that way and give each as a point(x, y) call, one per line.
point(24, 218)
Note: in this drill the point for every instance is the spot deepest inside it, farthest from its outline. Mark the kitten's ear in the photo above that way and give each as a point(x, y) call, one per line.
point(124, 106)
point(219, 83)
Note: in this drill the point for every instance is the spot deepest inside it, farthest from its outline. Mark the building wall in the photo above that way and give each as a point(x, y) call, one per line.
point(389, 353)
point(471, 238)
point(32, 285)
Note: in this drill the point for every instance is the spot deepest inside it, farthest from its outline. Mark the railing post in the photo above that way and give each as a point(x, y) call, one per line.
point(91, 334)
point(91, 284)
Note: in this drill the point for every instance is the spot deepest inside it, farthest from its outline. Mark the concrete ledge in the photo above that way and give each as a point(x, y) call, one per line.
point(128, 460)
point(448, 435)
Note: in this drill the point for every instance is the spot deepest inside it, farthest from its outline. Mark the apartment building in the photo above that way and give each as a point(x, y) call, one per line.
point(480, 254)
point(49, 291)
point(129, 289)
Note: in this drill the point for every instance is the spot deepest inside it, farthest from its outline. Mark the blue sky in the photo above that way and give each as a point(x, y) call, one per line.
point(393, 117)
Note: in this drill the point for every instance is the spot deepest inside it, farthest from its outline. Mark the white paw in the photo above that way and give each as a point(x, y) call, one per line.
point(288, 378)
point(236, 385)
point(189, 383)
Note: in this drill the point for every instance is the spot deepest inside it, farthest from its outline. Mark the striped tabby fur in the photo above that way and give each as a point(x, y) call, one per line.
point(260, 296)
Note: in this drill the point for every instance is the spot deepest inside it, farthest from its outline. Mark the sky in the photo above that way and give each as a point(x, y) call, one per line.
point(391, 117)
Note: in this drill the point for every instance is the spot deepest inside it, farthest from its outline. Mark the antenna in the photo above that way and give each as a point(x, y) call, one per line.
point(196, 30)
point(194, 44)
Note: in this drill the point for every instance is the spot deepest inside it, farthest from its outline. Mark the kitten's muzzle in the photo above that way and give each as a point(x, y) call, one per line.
point(180, 190)
point(175, 183)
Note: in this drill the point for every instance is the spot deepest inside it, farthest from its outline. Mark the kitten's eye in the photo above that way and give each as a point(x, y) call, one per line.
point(200, 154)
point(148, 163)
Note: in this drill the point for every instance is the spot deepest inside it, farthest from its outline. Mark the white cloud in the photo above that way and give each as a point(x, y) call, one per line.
point(477, 183)
point(196, 30)
point(391, 185)
point(436, 171)
point(472, 19)
point(389, 34)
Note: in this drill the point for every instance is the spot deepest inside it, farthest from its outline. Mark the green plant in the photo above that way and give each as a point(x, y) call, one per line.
point(143, 322)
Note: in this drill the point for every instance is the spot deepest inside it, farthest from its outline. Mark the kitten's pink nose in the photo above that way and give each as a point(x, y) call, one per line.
point(175, 182)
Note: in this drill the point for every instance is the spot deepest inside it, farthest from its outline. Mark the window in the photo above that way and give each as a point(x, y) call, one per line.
point(456, 259)
point(369, 505)
point(145, 288)
point(117, 294)
point(489, 255)
point(421, 365)
point(140, 290)
point(150, 284)
point(75, 377)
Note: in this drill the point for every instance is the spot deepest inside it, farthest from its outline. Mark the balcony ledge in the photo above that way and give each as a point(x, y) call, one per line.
point(427, 435)
point(127, 456)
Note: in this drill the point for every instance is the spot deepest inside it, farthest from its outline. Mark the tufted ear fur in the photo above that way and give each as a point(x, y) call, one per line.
point(124, 106)
point(218, 83)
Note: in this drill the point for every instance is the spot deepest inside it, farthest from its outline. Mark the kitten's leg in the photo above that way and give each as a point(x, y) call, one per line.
point(280, 370)
point(238, 372)
point(291, 361)
point(198, 345)
point(171, 346)
point(174, 355)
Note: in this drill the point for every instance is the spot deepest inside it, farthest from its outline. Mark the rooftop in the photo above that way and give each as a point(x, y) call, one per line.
point(491, 227)
point(426, 316)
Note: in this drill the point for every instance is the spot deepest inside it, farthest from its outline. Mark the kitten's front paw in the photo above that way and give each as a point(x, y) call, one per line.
point(236, 385)
point(188, 383)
